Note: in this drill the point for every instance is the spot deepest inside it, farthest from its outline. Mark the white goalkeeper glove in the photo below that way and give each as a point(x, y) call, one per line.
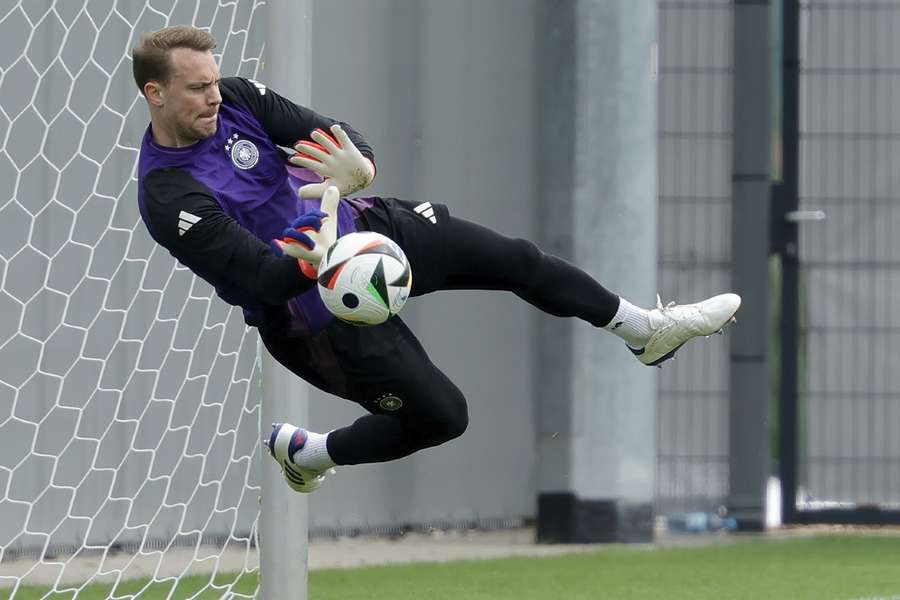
point(311, 234)
point(334, 158)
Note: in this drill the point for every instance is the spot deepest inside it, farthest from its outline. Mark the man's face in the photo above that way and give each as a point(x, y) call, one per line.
point(190, 101)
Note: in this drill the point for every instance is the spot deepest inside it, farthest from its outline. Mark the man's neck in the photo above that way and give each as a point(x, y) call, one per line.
point(167, 138)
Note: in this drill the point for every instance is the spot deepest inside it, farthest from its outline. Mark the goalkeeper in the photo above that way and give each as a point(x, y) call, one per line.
point(216, 189)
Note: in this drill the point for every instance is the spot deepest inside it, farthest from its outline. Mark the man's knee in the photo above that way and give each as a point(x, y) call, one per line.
point(447, 423)
point(456, 423)
point(526, 262)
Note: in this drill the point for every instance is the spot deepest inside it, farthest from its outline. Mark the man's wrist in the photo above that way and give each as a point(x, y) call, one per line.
point(373, 170)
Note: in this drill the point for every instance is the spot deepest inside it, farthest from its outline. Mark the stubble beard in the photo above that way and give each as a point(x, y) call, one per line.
point(197, 133)
point(204, 133)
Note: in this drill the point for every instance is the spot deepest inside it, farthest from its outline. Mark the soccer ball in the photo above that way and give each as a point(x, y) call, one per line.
point(364, 278)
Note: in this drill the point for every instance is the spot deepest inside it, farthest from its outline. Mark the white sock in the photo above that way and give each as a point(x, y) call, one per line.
point(631, 323)
point(314, 453)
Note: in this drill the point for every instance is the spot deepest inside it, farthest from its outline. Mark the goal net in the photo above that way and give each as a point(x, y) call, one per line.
point(129, 403)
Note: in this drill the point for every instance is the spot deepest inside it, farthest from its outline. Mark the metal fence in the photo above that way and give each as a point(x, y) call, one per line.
point(848, 452)
point(695, 78)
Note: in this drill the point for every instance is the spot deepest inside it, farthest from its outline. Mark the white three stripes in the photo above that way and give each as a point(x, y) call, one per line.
point(261, 88)
point(426, 210)
point(185, 221)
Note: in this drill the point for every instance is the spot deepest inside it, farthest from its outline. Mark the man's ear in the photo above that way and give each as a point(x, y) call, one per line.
point(154, 93)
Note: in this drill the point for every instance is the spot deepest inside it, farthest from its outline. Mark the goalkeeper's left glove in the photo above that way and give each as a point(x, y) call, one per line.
point(334, 158)
point(311, 234)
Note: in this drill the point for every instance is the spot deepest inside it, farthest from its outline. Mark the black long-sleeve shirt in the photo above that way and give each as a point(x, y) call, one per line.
point(216, 204)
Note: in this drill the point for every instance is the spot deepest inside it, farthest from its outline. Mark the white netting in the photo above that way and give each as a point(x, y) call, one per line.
point(128, 404)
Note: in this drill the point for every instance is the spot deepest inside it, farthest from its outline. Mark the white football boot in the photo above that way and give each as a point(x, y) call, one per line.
point(284, 442)
point(675, 324)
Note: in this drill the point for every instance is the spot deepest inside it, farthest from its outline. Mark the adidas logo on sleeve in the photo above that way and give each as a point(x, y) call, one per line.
point(426, 211)
point(260, 87)
point(185, 221)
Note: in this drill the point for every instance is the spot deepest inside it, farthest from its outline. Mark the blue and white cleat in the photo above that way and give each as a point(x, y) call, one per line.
point(284, 442)
point(675, 324)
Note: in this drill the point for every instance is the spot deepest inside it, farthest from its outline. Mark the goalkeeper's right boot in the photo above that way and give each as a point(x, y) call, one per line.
point(674, 324)
point(286, 440)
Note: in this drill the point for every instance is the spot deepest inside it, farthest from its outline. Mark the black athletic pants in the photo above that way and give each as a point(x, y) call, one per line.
point(413, 405)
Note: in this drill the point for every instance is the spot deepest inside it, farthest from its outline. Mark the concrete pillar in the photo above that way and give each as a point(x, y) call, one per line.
point(596, 404)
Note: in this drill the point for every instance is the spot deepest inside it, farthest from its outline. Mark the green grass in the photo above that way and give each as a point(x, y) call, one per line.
point(822, 568)
point(819, 568)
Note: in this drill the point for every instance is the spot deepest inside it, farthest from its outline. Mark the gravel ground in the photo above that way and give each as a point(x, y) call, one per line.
point(439, 546)
point(340, 553)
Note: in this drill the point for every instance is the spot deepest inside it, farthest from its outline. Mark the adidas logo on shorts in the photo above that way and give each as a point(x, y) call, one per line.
point(427, 211)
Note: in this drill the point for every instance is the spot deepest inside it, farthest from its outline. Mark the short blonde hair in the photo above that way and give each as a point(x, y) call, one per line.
point(150, 58)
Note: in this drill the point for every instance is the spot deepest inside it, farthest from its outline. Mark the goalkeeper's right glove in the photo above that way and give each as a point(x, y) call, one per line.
point(334, 158)
point(311, 234)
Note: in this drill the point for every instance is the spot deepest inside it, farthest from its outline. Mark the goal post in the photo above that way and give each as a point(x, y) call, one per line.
point(283, 523)
point(132, 399)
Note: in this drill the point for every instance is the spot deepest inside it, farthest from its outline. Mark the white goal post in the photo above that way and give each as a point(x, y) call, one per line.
point(283, 572)
point(130, 395)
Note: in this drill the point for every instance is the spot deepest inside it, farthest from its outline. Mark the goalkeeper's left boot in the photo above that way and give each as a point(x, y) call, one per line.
point(674, 324)
point(284, 443)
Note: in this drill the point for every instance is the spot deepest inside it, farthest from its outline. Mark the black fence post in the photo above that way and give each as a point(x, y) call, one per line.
point(787, 200)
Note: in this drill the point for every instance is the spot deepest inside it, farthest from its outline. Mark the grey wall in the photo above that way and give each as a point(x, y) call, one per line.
point(445, 93)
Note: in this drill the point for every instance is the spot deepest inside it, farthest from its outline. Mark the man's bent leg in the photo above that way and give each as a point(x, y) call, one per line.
point(414, 405)
point(384, 369)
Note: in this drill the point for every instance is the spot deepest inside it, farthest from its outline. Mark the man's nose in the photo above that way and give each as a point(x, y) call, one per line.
point(214, 96)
